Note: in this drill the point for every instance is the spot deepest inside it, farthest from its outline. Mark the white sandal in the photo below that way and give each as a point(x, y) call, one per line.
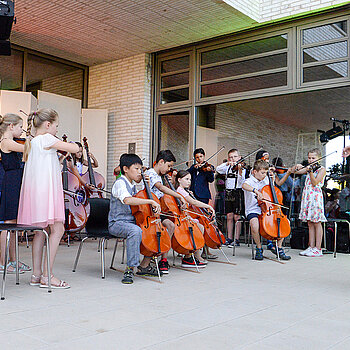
point(44, 283)
point(35, 280)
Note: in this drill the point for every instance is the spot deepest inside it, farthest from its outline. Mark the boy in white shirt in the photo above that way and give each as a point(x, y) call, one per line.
point(252, 187)
point(235, 175)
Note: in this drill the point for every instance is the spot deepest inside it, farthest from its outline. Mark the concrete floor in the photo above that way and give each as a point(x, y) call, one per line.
point(303, 304)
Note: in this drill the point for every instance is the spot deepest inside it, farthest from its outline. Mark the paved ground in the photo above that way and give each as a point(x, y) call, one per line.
point(304, 304)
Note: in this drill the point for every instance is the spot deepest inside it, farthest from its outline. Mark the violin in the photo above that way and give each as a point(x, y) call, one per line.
point(205, 166)
point(187, 237)
point(93, 177)
point(20, 140)
point(76, 205)
point(213, 237)
point(314, 167)
point(272, 222)
point(236, 167)
point(155, 238)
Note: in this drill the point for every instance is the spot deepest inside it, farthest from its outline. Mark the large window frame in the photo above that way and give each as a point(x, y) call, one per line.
point(300, 47)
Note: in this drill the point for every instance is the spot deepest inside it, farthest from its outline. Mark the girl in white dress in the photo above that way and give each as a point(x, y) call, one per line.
point(312, 206)
point(41, 200)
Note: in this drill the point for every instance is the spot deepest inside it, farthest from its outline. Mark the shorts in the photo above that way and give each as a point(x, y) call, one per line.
point(252, 215)
point(234, 201)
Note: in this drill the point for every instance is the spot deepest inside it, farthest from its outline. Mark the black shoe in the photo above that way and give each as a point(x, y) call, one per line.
point(127, 278)
point(228, 242)
point(148, 271)
point(164, 266)
point(189, 262)
point(259, 254)
point(283, 255)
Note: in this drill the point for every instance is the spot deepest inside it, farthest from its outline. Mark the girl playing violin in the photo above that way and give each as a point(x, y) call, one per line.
point(121, 222)
point(182, 185)
point(11, 158)
point(41, 200)
point(312, 207)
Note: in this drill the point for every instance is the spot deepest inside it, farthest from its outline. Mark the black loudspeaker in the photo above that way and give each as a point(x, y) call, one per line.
point(7, 13)
point(299, 238)
point(5, 48)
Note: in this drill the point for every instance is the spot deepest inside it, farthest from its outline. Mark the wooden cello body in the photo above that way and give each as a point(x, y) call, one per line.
point(76, 206)
point(272, 222)
point(155, 237)
point(187, 237)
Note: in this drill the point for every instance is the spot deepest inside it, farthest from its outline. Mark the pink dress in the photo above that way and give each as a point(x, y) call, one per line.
point(41, 199)
point(312, 207)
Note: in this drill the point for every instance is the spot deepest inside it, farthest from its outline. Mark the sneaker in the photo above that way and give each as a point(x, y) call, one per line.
point(237, 243)
point(148, 271)
point(189, 262)
point(306, 251)
point(164, 266)
point(259, 254)
point(270, 245)
point(228, 242)
point(127, 278)
point(314, 252)
point(283, 255)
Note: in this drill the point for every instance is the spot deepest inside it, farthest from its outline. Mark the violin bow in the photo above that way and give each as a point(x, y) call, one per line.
point(248, 155)
point(316, 161)
point(272, 202)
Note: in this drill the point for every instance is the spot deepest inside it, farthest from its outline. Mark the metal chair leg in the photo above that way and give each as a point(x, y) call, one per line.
point(123, 251)
point(27, 242)
point(335, 239)
point(78, 253)
point(5, 265)
point(99, 245)
point(114, 252)
point(252, 243)
point(103, 256)
point(48, 261)
point(17, 258)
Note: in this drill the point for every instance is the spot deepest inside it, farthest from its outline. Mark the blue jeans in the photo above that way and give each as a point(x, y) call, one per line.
point(133, 235)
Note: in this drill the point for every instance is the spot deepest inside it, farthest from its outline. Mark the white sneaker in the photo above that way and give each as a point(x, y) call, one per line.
point(305, 252)
point(314, 252)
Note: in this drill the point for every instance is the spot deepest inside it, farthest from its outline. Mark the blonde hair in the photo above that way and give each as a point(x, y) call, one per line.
point(260, 164)
point(7, 120)
point(36, 119)
point(317, 151)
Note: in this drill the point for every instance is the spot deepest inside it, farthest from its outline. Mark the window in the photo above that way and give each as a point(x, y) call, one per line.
point(325, 52)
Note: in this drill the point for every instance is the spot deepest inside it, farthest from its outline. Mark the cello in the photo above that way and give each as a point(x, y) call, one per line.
point(187, 237)
point(155, 237)
point(74, 200)
point(274, 225)
point(93, 177)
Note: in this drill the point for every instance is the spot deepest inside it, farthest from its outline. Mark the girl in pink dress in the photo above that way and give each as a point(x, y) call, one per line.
point(41, 199)
point(312, 207)
point(182, 185)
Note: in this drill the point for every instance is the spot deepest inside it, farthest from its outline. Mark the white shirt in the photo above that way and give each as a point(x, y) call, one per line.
point(153, 179)
point(119, 189)
point(250, 200)
point(230, 182)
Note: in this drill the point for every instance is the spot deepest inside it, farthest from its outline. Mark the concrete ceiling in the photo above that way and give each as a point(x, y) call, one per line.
point(93, 32)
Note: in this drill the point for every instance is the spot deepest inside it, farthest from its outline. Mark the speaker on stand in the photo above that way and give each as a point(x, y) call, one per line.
point(7, 16)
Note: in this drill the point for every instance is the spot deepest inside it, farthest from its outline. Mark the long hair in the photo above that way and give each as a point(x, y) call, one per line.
point(81, 159)
point(7, 120)
point(36, 119)
point(180, 175)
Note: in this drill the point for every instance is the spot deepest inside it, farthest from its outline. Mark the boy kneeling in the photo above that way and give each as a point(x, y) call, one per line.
point(251, 187)
point(121, 222)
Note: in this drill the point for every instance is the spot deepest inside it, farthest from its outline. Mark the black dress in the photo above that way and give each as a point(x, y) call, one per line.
point(11, 185)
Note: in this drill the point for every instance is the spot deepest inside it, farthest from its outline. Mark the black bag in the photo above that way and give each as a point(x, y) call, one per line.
point(299, 238)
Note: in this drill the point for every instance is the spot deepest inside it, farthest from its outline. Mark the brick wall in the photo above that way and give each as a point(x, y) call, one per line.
point(246, 131)
point(273, 9)
point(69, 84)
point(124, 88)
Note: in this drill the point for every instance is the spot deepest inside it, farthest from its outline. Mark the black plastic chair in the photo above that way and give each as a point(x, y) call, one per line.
point(97, 227)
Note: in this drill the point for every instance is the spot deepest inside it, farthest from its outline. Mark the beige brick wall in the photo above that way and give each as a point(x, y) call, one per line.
point(69, 84)
point(124, 88)
point(274, 9)
point(246, 131)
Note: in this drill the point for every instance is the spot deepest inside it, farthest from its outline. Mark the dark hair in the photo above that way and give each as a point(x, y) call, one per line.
point(277, 161)
point(180, 175)
point(128, 159)
point(260, 154)
point(198, 150)
point(81, 159)
point(166, 155)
